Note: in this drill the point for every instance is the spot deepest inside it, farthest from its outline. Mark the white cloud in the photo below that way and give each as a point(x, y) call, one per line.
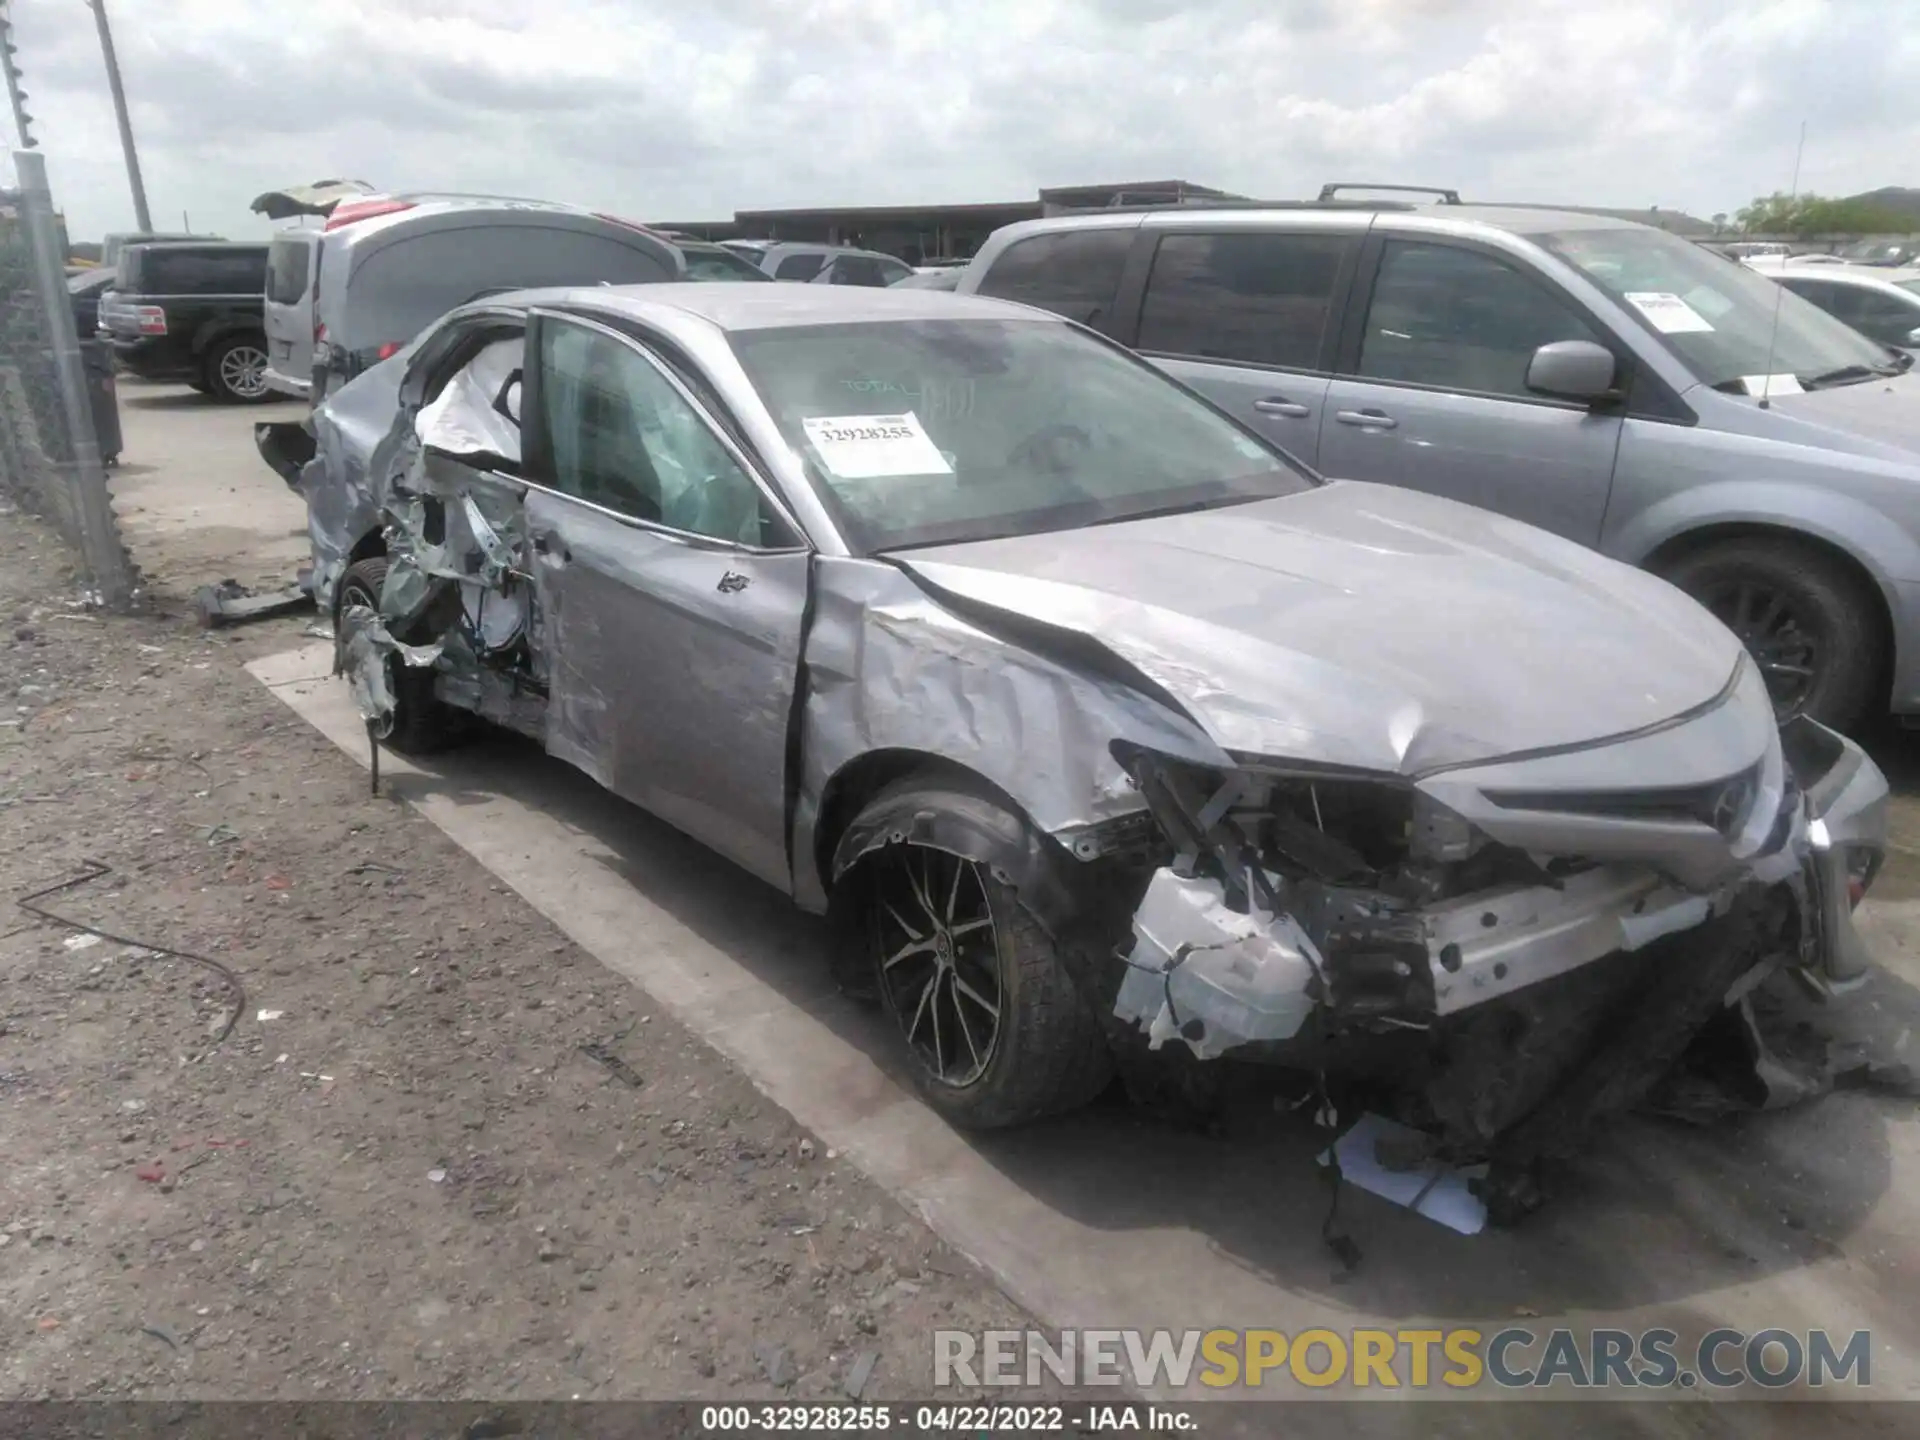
point(693, 111)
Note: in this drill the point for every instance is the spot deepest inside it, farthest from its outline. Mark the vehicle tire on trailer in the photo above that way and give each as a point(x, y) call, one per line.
point(995, 1031)
point(1808, 621)
point(235, 370)
point(422, 722)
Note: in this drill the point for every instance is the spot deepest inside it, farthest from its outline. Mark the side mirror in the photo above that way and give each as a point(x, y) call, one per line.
point(1573, 370)
point(507, 402)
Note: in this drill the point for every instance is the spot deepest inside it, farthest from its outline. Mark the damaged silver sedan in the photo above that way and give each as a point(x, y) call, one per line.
point(1115, 739)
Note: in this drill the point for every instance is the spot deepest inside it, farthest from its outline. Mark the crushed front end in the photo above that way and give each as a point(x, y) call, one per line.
point(1502, 953)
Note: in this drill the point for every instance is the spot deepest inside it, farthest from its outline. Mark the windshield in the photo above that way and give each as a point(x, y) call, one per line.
point(1718, 318)
point(919, 432)
point(1910, 285)
point(718, 264)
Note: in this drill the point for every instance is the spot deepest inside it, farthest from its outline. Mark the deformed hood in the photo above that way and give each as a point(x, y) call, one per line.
point(319, 198)
point(1362, 625)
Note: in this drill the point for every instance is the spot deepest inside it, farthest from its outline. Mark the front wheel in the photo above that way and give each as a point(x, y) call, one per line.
point(994, 1029)
point(1809, 623)
point(422, 722)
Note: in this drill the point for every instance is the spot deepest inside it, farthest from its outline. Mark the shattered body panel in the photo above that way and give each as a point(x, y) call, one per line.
point(1354, 780)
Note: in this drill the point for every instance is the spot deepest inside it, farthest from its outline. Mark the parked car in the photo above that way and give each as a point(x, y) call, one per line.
point(1891, 253)
point(821, 264)
point(191, 311)
point(946, 278)
point(384, 267)
point(113, 244)
point(84, 290)
point(1596, 377)
point(1105, 725)
point(1882, 304)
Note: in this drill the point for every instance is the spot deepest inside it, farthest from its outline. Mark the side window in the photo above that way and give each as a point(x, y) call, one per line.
point(803, 266)
point(620, 435)
point(1819, 292)
point(1457, 319)
point(858, 270)
point(1880, 316)
point(1261, 299)
point(1074, 273)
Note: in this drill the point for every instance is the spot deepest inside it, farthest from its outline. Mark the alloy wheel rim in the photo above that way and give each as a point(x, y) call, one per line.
point(243, 370)
point(1777, 635)
point(937, 945)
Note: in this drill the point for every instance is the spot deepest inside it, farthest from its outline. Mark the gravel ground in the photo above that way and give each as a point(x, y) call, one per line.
point(393, 1136)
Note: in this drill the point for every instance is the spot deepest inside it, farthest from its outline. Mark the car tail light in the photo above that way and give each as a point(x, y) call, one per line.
point(387, 351)
point(319, 333)
point(1862, 864)
point(152, 319)
point(365, 210)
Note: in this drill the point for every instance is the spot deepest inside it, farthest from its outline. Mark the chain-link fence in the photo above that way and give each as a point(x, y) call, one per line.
point(50, 460)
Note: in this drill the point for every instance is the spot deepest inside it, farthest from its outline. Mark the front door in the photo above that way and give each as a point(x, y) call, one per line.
point(672, 595)
point(1436, 398)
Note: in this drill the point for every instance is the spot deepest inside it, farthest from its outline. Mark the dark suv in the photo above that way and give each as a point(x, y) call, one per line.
point(191, 311)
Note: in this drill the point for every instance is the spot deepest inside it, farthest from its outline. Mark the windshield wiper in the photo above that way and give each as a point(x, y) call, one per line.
point(1847, 375)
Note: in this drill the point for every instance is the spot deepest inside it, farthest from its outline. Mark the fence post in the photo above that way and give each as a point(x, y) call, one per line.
point(100, 543)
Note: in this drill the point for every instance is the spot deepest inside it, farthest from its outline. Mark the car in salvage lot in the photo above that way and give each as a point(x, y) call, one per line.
point(1107, 734)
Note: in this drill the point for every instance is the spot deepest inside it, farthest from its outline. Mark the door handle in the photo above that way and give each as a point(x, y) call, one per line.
point(1366, 419)
point(1280, 405)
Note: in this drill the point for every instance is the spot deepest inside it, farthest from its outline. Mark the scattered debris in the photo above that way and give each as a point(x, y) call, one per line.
point(598, 1052)
point(805, 1148)
point(859, 1373)
point(157, 1333)
point(266, 1015)
point(86, 940)
point(776, 1364)
point(231, 603)
point(1437, 1191)
point(437, 1176)
point(152, 1174)
point(96, 870)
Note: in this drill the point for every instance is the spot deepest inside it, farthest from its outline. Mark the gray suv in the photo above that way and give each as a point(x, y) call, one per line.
point(1598, 378)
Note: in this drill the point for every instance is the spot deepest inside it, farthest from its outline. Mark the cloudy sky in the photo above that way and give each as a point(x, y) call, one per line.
point(691, 109)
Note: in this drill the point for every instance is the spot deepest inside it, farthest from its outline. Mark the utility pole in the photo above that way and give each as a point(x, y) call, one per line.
point(16, 93)
point(140, 215)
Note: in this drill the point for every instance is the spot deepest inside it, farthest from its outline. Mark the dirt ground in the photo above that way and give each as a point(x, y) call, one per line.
point(440, 1153)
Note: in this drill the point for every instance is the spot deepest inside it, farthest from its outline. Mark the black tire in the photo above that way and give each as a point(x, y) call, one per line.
point(1832, 625)
point(422, 723)
point(234, 370)
point(1047, 1054)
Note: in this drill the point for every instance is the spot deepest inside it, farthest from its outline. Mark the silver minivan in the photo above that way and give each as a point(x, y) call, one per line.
point(288, 311)
point(1599, 378)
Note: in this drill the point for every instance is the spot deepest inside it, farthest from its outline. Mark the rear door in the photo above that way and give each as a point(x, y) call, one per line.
point(289, 311)
point(1431, 391)
point(673, 589)
point(1249, 318)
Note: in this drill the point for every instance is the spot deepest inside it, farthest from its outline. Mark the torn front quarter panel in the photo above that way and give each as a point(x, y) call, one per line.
point(365, 652)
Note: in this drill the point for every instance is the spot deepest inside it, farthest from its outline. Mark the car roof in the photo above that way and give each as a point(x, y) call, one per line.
point(199, 245)
point(1873, 275)
point(745, 306)
point(1514, 219)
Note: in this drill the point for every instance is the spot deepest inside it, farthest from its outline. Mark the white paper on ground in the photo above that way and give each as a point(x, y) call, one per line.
point(867, 447)
point(1788, 384)
point(1447, 1201)
point(1667, 312)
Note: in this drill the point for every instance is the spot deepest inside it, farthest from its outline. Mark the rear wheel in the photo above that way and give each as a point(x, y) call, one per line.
point(1808, 622)
point(994, 1029)
point(236, 370)
point(421, 721)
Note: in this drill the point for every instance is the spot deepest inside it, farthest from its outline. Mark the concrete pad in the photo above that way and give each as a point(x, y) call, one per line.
point(1797, 1220)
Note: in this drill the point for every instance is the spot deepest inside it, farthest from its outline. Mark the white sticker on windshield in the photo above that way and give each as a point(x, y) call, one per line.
point(866, 447)
point(1788, 384)
point(1667, 312)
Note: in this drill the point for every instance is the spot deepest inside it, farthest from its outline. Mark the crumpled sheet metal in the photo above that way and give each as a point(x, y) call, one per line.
point(355, 440)
point(890, 669)
point(363, 652)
